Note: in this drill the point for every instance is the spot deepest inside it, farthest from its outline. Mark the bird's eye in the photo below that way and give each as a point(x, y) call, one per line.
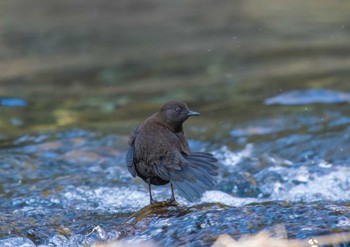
point(177, 109)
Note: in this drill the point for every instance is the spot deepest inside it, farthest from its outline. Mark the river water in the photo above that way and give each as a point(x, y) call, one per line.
point(271, 80)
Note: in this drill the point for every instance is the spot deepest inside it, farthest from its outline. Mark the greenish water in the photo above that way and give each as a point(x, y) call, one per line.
point(90, 72)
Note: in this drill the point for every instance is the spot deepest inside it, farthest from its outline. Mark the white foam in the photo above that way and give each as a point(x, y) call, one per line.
point(229, 158)
point(343, 221)
point(215, 196)
point(333, 186)
point(16, 241)
point(106, 198)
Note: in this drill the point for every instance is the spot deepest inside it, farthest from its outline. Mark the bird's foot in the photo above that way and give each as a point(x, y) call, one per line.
point(153, 202)
point(172, 201)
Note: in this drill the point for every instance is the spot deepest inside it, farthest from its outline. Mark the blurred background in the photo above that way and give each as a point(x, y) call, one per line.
point(77, 76)
point(106, 65)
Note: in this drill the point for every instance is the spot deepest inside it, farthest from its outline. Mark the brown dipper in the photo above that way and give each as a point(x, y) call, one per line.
point(159, 153)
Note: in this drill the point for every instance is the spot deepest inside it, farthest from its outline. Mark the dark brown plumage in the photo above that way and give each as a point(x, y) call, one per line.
point(159, 153)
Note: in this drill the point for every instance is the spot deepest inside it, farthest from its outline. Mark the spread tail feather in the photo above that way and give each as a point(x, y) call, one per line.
point(196, 177)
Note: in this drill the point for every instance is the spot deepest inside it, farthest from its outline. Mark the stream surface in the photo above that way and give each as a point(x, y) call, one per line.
point(271, 80)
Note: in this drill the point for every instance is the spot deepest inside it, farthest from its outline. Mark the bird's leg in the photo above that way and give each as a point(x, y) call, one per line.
point(150, 192)
point(172, 199)
point(172, 193)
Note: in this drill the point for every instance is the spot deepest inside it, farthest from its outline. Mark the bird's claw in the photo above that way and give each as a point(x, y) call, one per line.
point(153, 202)
point(172, 201)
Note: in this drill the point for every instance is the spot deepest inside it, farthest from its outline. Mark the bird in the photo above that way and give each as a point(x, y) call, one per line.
point(159, 154)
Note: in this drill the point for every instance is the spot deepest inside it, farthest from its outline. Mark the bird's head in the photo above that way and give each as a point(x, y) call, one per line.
point(174, 113)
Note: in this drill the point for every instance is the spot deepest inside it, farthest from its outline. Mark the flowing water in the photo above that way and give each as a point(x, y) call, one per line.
point(271, 80)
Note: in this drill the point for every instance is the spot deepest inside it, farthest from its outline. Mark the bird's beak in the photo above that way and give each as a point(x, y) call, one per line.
point(193, 113)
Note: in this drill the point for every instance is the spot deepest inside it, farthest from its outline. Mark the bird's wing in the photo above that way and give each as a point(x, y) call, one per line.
point(130, 155)
point(183, 143)
point(130, 161)
point(196, 174)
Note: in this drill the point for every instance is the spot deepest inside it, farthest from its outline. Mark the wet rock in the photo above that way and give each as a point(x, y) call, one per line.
point(245, 185)
point(309, 96)
point(157, 210)
point(242, 184)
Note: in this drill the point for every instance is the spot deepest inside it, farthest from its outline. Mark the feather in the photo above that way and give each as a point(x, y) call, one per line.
point(196, 176)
